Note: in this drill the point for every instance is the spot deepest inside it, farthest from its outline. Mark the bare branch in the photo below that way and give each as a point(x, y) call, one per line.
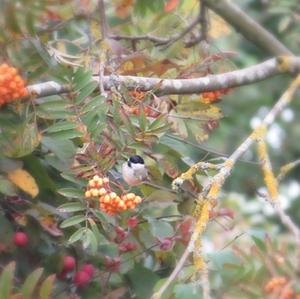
point(203, 21)
point(104, 26)
point(248, 27)
point(236, 78)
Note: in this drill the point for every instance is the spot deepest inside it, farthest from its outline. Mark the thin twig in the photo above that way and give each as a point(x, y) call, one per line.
point(288, 222)
point(174, 274)
point(158, 41)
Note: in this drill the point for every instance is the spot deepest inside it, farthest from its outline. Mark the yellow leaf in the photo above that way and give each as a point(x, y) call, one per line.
point(218, 27)
point(23, 180)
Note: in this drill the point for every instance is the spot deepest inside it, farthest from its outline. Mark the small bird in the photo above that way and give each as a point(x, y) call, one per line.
point(134, 171)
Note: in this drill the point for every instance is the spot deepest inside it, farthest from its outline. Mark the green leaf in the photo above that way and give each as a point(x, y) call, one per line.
point(77, 235)
point(93, 104)
point(142, 119)
point(6, 231)
point(74, 179)
point(53, 107)
point(82, 78)
point(30, 283)
point(71, 192)
point(95, 230)
point(61, 126)
point(20, 138)
point(187, 291)
point(226, 263)
point(160, 229)
point(38, 170)
point(92, 241)
point(6, 187)
point(104, 218)
point(86, 91)
point(159, 130)
point(71, 207)
point(72, 221)
point(47, 287)
point(142, 281)
point(259, 239)
point(158, 122)
point(67, 134)
point(63, 149)
point(6, 280)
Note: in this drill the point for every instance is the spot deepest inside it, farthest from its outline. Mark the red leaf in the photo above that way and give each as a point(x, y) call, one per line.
point(171, 5)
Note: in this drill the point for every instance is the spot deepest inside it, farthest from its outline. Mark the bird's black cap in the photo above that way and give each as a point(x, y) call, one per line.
point(135, 160)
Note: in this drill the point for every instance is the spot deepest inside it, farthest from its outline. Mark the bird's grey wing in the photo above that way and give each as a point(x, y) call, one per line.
point(141, 173)
point(115, 174)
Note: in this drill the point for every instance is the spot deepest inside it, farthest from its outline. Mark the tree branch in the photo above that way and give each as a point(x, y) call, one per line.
point(104, 26)
point(236, 78)
point(248, 27)
point(213, 187)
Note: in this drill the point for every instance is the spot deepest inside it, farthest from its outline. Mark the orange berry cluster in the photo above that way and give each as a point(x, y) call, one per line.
point(12, 86)
point(109, 201)
point(136, 95)
point(280, 286)
point(147, 111)
point(213, 96)
point(274, 282)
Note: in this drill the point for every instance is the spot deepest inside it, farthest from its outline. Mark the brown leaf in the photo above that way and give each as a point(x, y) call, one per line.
point(48, 223)
point(123, 8)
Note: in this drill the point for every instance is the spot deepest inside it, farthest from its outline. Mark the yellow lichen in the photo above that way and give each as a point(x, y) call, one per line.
point(286, 168)
point(284, 63)
point(202, 212)
point(259, 132)
point(203, 216)
point(262, 151)
point(269, 177)
point(271, 183)
point(214, 190)
point(228, 163)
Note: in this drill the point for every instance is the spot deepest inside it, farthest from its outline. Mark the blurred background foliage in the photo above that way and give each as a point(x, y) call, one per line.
point(63, 41)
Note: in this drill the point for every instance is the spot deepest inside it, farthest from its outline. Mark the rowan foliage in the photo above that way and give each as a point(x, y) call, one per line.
point(75, 104)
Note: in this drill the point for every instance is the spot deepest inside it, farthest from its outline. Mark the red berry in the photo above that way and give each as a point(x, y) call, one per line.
point(20, 239)
point(132, 222)
point(112, 264)
point(69, 263)
point(121, 234)
point(81, 279)
point(89, 269)
point(127, 246)
point(166, 244)
point(62, 275)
